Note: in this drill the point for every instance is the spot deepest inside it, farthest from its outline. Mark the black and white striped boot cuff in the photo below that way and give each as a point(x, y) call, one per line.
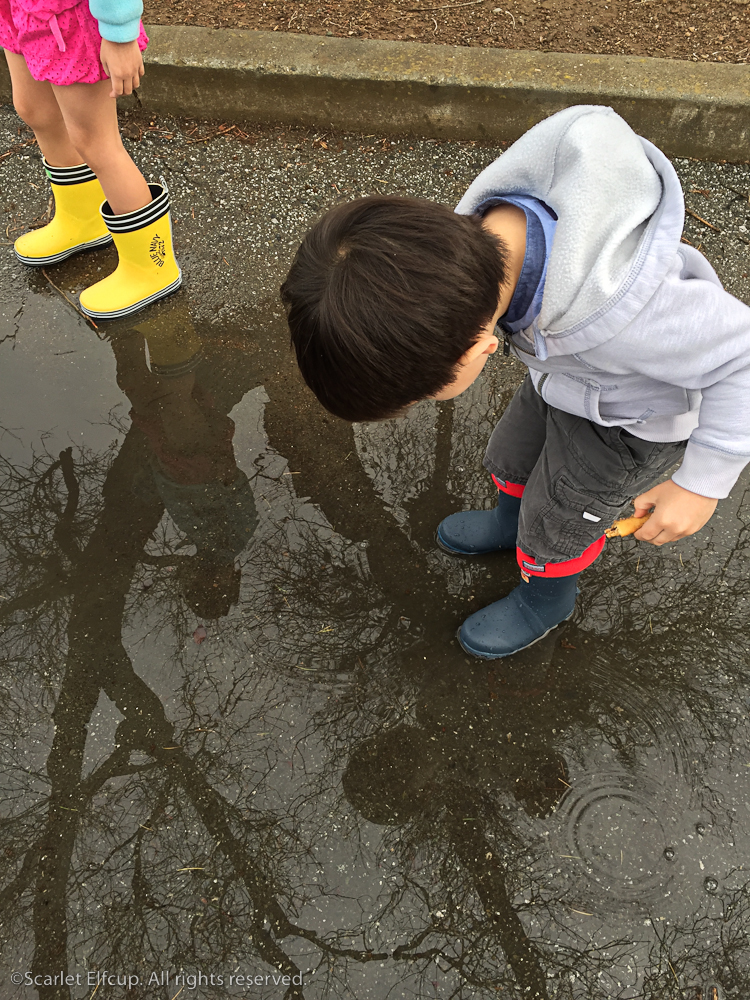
point(142, 217)
point(69, 175)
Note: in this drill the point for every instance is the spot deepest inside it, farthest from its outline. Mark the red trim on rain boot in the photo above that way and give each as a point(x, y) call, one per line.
point(505, 486)
point(569, 567)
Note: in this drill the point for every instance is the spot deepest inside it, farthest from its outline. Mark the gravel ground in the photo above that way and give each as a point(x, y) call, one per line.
point(242, 202)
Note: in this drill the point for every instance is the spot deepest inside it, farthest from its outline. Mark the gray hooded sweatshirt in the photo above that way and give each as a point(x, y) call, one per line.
point(635, 328)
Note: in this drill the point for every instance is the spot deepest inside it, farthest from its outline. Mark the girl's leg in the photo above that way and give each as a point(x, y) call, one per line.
point(90, 116)
point(35, 103)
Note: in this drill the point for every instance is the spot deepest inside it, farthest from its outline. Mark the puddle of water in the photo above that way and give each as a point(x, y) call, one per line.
point(238, 734)
point(239, 738)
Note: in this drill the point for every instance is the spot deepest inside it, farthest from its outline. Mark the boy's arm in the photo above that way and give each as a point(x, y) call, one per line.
point(677, 513)
point(710, 351)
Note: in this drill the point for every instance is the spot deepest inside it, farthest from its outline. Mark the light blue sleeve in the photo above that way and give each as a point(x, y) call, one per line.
point(119, 20)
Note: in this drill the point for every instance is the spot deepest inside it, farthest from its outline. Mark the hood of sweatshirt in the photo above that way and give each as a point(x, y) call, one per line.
point(620, 212)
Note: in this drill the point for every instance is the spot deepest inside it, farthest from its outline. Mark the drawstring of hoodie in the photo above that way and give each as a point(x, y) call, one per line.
point(54, 27)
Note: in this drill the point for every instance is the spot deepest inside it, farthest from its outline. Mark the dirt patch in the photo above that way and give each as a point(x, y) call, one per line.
point(712, 30)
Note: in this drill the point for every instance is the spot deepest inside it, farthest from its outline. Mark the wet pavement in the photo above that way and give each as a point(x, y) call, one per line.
point(238, 737)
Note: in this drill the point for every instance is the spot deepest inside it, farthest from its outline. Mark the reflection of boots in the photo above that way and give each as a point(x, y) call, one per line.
point(77, 224)
point(522, 618)
point(147, 270)
point(473, 532)
point(173, 347)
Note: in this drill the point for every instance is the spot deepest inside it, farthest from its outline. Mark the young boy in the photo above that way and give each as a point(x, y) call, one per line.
point(568, 248)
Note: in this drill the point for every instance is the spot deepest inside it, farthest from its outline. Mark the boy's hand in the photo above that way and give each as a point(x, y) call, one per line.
point(677, 512)
point(123, 64)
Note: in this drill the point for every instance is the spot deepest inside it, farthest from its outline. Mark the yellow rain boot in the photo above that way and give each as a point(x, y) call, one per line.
point(147, 270)
point(77, 224)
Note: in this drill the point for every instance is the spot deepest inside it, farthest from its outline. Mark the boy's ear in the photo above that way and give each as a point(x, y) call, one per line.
point(486, 343)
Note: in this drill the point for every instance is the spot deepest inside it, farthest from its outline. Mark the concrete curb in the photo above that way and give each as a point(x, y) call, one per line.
point(448, 92)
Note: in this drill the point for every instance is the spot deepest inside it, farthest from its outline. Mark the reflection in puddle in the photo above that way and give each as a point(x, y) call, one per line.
point(238, 736)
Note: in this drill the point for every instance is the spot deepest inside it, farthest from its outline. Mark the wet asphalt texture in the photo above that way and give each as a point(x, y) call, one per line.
point(238, 738)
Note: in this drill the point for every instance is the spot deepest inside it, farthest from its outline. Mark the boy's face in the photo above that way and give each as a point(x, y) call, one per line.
point(471, 364)
point(508, 222)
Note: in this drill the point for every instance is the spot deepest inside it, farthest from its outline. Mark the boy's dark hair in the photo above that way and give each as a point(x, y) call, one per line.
point(384, 297)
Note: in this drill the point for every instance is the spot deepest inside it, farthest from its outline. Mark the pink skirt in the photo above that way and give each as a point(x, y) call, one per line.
point(60, 42)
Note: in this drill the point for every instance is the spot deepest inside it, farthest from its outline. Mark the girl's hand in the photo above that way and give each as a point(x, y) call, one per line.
point(677, 512)
point(123, 64)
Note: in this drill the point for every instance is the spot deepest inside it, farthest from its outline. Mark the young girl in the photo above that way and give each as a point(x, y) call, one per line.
point(69, 60)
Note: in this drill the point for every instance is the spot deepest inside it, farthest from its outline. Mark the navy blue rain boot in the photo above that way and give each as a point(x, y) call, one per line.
point(522, 618)
point(474, 532)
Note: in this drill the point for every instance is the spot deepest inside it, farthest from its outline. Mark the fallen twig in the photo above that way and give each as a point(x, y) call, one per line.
point(70, 301)
point(17, 148)
point(226, 130)
point(626, 526)
point(223, 129)
point(204, 139)
point(445, 6)
point(705, 222)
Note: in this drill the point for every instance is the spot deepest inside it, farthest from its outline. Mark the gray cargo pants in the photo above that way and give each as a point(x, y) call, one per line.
point(574, 477)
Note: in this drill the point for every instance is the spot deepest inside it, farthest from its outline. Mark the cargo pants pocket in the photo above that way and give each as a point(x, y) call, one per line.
point(570, 521)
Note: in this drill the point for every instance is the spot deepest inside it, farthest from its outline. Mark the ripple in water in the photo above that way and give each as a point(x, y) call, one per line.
point(614, 827)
